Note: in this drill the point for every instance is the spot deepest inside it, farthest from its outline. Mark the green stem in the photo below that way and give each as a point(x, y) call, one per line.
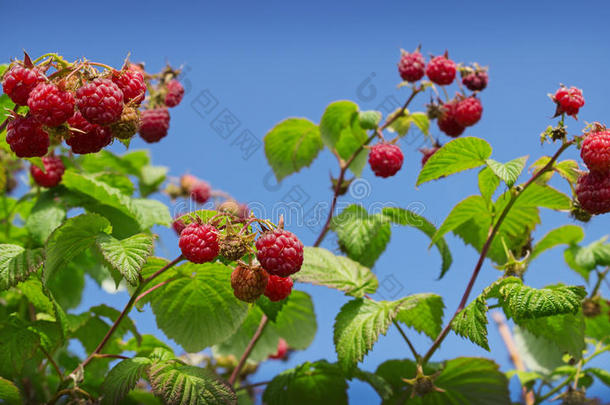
point(601, 275)
point(416, 355)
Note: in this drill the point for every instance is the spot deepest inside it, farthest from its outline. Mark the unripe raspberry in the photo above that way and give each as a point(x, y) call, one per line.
point(131, 83)
point(19, 81)
point(100, 101)
point(50, 105)
point(154, 124)
point(175, 92)
point(385, 159)
point(52, 174)
point(427, 153)
point(233, 247)
point(201, 192)
point(26, 137)
point(187, 181)
point(468, 111)
point(569, 100)
point(278, 288)
point(282, 350)
point(248, 283)
point(199, 243)
point(234, 208)
point(447, 122)
point(593, 192)
point(280, 252)
point(87, 137)
point(411, 66)
point(476, 81)
point(595, 151)
point(441, 70)
point(128, 125)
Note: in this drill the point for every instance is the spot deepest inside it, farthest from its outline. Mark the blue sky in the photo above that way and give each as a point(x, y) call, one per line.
point(265, 61)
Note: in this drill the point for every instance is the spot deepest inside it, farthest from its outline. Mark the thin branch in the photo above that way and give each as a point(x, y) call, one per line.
point(254, 385)
point(153, 288)
point(110, 356)
point(163, 269)
point(416, 355)
point(507, 337)
point(493, 230)
point(601, 275)
point(53, 363)
point(249, 348)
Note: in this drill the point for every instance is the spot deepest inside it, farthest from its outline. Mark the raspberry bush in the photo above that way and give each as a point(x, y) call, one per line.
point(234, 288)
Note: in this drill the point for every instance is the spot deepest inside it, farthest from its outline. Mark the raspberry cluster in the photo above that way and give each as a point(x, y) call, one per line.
point(593, 188)
point(83, 106)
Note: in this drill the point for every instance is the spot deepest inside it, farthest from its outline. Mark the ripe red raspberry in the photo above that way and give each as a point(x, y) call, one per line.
point(427, 153)
point(441, 70)
point(100, 101)
point(26, 137)
point(278, 288)
point(19, 81)
point(88, 137)
point(127, 125)
point(201, 191)
point(411, 66)
point(175, 92)
point(52, 174)
point(50, 105)
point(248, 283)
point(280, 252)
point(595, 151)
point(154, 124)
point(131, 83)
point(569, 100)
point(447, 122)
point(593, 192)
point(282, 350)
point(199, 242)
point(385, 159)
point(468, 111)
point(476, 81)
point(178, 226)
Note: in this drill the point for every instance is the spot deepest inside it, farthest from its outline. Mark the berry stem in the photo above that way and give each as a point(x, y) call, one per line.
point(601, 275)
point(253, 385)
point(249, 348)
point(493, 230)
point(345, 165)
point(416, 355)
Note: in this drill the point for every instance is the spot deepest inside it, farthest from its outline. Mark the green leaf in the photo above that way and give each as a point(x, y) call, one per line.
point(421, 121)
point(17, 263)
point(423, 312)
point(144, 346)
point(73, 237)
point(150, 212)
point(598, 327)
point(358, 326)
point(205, 298)
point(508, 172)
point(538, 354)
point(400, 124)
point(471, 207)
point(465, 380)
point(113, 314)
point(179, 384)
point(537, 195)
point(565, 331)
point(45, 217)
point(488, 183)
point(568, 169)
point(316, 383)
point(123, 378)
point(9, 391)
point(270, 308)
point(564, 235)
point(127, 256)
point(362, 237)
point(119, 181)
point(291, 145)
point(406, 217)
point(455, 156)
point(369, 119)
point(151, 177)
point(321, 267)
point(19, 343)
point(471, 323)
point(601, 374)
point(379, 384)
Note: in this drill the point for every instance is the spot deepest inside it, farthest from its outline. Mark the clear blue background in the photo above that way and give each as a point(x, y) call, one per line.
point(266, 61)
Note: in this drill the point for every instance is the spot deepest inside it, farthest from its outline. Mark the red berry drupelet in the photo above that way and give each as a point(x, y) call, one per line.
point(154, 124)
point(441, 70)
point(50, 105)
point(593, 192)
point(52, 174)
point(427, 153)
point(131, 82)
point(385, 159)
point(411, 66)
point(569, 100)
point(468, 111)
point(595, 151)
point(199, 243)
point(175, 92)
point(26, 137)
point(248, 283)
point(280, 252)
point(447, 121)
point(476, 81)
point(100, 101)
point(278, 288)
point(200, 191)
point(88, 137)
point(19, 81)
